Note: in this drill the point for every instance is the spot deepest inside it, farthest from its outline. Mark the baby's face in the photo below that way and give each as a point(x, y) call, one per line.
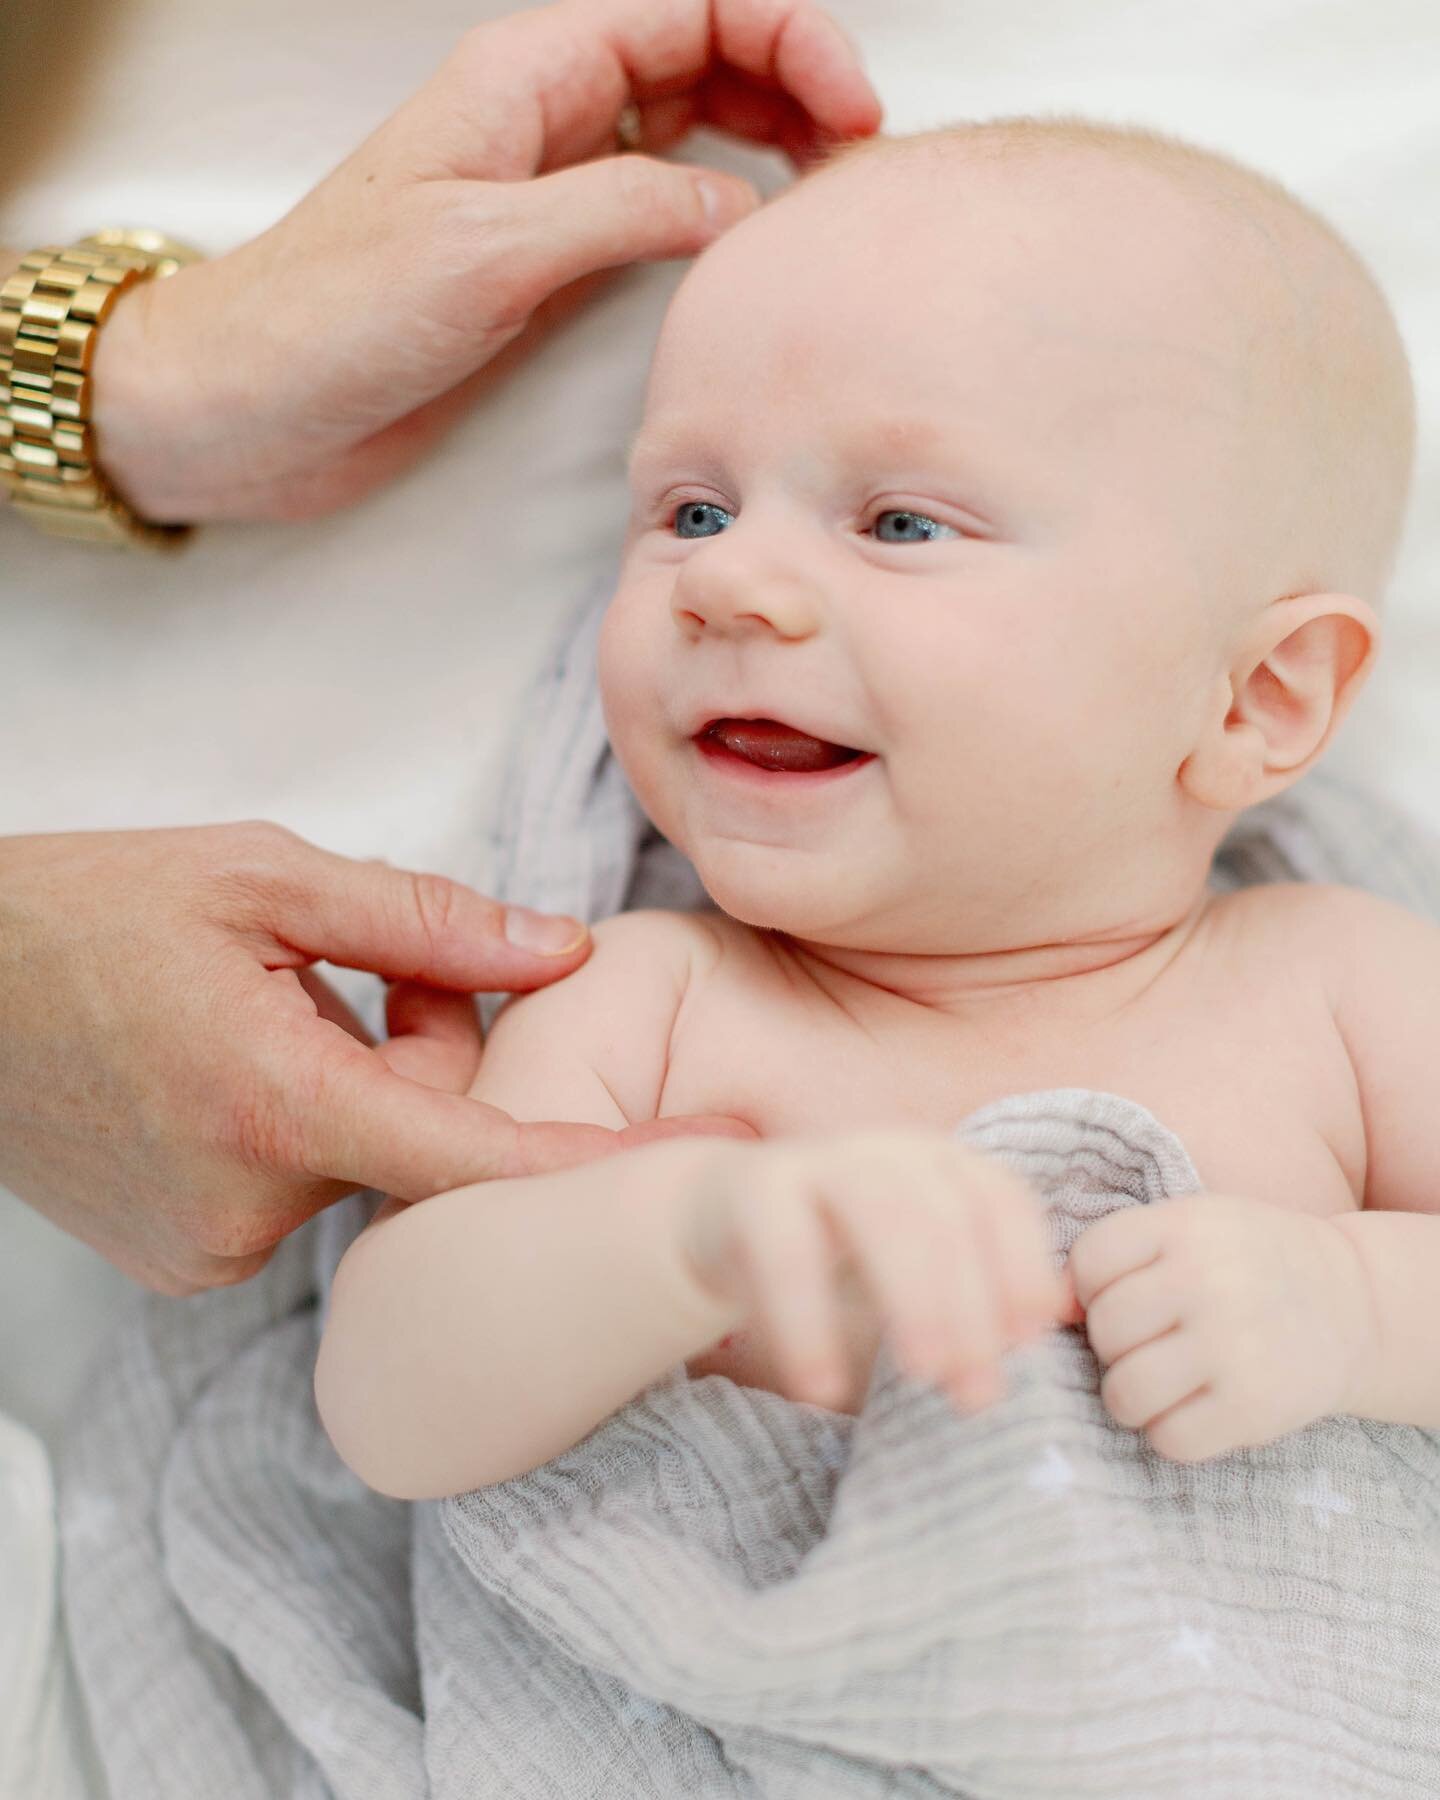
point(924, 474)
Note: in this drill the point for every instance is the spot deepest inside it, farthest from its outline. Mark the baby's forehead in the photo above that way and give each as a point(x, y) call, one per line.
point(941, 242)
point(1075, 219)
point(1080, 273)
point(1140, 263)
point(1112, 177)
point(947, 278)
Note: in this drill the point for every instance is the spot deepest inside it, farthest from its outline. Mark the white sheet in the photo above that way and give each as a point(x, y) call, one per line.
point(44, 1750)
point(355, 677)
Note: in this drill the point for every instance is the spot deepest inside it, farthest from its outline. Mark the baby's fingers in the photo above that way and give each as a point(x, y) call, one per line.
point(921, 1258)
point(786, 1257)
point(1012, 1222)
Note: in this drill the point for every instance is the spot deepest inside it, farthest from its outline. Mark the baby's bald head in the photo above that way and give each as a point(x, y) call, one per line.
point(1055, 468)
point(1286, 311)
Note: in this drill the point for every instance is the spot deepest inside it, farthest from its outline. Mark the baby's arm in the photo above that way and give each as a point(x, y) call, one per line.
point(1386, 975)
point(477, 1334)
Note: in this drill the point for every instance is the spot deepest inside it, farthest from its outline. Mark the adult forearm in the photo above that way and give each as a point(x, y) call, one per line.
point(1400, 1255)
point(478, 1334)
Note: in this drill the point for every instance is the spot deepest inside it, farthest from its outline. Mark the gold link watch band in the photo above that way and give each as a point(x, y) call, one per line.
point(50, 312)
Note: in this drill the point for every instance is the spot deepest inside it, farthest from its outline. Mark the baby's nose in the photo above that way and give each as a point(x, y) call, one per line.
point(710, 603)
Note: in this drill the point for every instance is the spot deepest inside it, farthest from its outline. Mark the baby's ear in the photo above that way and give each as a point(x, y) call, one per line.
point(1292, 680)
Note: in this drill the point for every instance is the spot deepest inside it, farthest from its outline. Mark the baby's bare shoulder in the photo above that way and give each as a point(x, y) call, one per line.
point(594, 1046)
point(1379, 965)
point(1343, 932)
point(649, 933)
point(1320, 907)
point(640, 966)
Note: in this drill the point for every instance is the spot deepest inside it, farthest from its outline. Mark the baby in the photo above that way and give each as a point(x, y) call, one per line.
point(1010, 510)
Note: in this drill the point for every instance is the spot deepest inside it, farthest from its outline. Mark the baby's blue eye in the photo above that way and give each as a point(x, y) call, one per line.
point(698, 518)
point(912, 528)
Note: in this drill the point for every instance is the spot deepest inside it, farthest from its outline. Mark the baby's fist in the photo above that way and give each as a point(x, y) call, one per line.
point(948, 1245)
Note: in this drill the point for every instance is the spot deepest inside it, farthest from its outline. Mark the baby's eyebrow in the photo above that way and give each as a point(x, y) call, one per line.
point(889, 435)
point(651, 442)
point(899, 437)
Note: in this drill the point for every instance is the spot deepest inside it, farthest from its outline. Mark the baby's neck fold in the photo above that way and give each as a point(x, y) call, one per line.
point(1128, 956)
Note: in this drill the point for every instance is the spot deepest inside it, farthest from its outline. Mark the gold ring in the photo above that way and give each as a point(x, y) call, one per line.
point(628, 132)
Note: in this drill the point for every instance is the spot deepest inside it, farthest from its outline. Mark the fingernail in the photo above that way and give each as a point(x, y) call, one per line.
point(545, 934)
point(725, 201)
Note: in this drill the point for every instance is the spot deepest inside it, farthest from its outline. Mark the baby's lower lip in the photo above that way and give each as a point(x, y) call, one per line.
point(725, 760)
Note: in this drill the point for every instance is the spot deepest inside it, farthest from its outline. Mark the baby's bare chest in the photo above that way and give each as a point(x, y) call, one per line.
point(1250, 1074)
point(1255, 1083)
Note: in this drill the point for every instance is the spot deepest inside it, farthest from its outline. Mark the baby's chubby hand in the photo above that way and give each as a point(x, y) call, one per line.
point(949, 1243)
point(1223, 1321)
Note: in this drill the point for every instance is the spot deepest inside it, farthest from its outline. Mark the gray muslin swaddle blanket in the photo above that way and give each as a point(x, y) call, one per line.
point(720, 1592)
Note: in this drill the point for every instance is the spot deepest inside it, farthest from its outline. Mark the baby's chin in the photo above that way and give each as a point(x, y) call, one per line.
point(825, 891)
point(770, 890)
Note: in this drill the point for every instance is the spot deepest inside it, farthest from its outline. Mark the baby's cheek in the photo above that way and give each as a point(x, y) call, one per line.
point(638, 716)
point(625, 659)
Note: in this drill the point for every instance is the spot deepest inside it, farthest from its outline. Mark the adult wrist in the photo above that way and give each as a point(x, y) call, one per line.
point(193, 418)
point(57, 318)
point(141, 443)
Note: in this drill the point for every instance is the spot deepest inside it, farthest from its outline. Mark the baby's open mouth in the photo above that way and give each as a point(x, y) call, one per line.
point(770, 744)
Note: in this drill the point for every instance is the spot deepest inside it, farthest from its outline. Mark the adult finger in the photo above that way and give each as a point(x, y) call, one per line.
point(694, 1125)
point(392, 922)
point(435, 1036)
point(555, 1144)
point(747, 108)
point(804, 51)
point(661, 123)
point(731, 102)
point(620, 209)
point(348, 1117)
point(541, 89)
point(352, 1119)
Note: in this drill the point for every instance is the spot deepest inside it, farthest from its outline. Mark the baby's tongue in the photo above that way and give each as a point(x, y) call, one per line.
point(774, 746)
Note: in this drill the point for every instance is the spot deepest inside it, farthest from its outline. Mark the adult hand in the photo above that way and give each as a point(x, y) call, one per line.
point(180, 1090)
point(301, 370)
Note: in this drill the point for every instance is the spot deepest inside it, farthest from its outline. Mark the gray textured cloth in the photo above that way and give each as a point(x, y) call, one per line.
point(723, 1593)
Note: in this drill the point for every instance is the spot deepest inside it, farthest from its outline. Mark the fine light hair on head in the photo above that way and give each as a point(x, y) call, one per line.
point(1347, 378)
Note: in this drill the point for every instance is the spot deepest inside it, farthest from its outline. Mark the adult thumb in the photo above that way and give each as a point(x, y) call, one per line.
point(619, 209)
point(407, 926)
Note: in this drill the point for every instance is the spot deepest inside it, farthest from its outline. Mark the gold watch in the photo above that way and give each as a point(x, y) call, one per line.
point(50, 311)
